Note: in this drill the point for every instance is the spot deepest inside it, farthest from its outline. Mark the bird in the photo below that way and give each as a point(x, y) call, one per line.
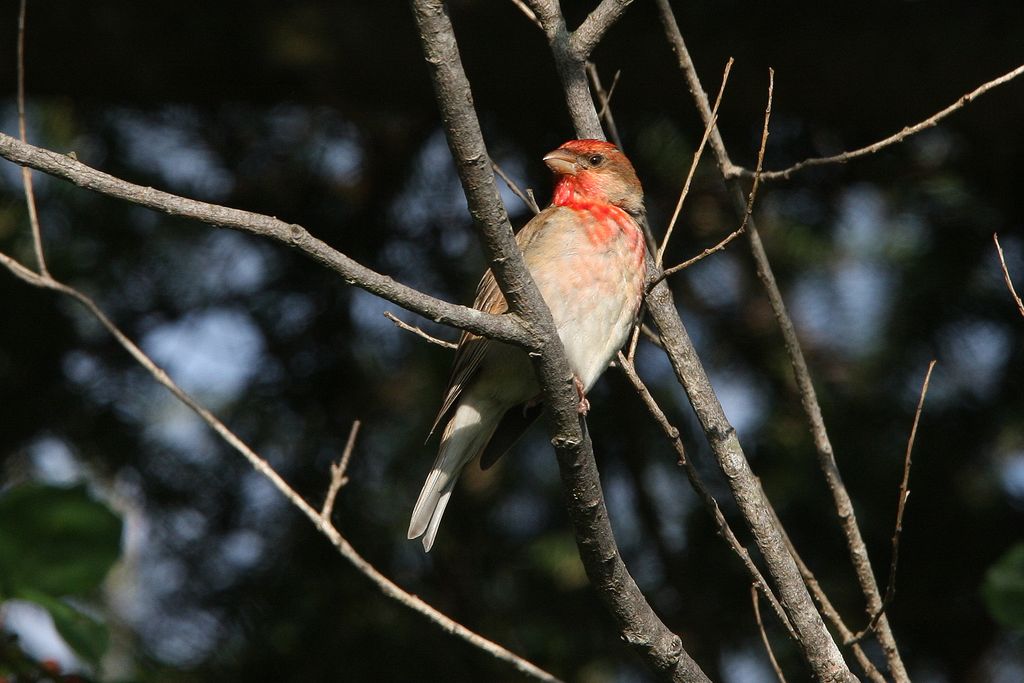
point(586, 252)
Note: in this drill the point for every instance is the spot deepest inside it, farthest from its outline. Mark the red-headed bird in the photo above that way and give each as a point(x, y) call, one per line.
point(586, 253)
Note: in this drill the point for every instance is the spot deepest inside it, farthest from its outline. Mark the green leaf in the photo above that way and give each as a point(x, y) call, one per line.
point(1003, 589)
point(86, 636)
point(58, 541)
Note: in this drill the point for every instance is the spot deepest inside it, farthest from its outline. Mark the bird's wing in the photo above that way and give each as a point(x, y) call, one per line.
point(472, 348)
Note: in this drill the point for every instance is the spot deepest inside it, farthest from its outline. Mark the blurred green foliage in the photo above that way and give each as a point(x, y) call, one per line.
point(59, 543)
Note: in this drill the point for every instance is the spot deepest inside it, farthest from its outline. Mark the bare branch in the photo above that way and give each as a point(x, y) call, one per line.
point(755, 601)
point(338, 478)
point(893, 139)
point(724, 530)
point(417, 331)
point(890, 588)
point(819, 648)
point(753, 189)
point(26, 174)
point(1006, 275)
point(322, 523)
point(528, 199)
point(828, 609)
point(529, 13)
point(605, 99)
point(588, 34)
point(506, 327)
point(826, 458)
point(638, 624)
point(702, 255)
point(693, 165)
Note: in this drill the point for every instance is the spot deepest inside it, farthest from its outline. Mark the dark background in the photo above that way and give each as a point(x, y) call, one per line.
point(321, 113)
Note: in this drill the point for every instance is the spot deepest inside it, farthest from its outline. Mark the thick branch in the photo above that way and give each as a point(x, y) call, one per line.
point(826, 458)
point(506, 328)
point(638, 625)
point(571, 69)
point(819, 648)
point(588, 34)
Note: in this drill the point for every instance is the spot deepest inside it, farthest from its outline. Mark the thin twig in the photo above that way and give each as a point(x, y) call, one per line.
point(26, 173)
point(892, 139)
point(604, 98)
point(693, 165)
point(890, 589)
point(724, 530)
point(417, 331)
point(753, 189)
point(827, 608)
point(528, 12)
point(528, 199)
point(652, 336)
point(701, 256)
point(659, 255)
point(1006, 275)
point(755, 600)
point(338, 478)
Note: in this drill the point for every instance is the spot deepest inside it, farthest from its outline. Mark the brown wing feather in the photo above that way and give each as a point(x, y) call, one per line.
point(472, 348)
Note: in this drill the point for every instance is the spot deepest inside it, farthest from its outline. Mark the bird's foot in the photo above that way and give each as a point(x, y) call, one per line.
point(584, 407)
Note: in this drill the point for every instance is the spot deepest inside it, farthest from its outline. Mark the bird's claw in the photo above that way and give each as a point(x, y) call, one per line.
point(584, 406)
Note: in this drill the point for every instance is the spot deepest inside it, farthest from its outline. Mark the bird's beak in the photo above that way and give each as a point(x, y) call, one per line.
point(562, 162)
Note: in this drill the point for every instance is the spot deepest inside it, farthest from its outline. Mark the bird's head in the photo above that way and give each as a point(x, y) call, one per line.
point(590, 171)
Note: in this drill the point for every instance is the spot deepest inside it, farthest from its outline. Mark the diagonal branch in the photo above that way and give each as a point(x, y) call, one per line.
point(693, 165)
point(321, 521)
point(893, 139)
point(826, 458)
point(588, 34)
point(890, 588)
point(638, 625)
point(26, 174)
point(506, 328)
point(1006, 275)
point(724, 530)
point(818, 647)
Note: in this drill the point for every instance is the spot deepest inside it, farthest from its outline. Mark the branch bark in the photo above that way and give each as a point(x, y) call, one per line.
point(505, 328)
point(321, 520)
point(826, 457)
point(818, 646)
point(637, 623)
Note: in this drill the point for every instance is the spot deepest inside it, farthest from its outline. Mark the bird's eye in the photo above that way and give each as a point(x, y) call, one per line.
point(596, 159)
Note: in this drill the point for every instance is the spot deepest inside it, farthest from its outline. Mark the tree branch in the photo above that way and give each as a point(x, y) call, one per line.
point(26, 174)
point(693, 165)
point(819, 648)
point(338, 478)
point(1006, 275)
point(638, 625)
point(506, 327)
point(588, 34)
point(755, 601)
point(826, 458)
point(726, 532)
point(320, 521)
point(890, 588)
point(896, 138)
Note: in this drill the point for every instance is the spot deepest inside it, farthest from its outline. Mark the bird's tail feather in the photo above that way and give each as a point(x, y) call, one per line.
point(465, 436)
